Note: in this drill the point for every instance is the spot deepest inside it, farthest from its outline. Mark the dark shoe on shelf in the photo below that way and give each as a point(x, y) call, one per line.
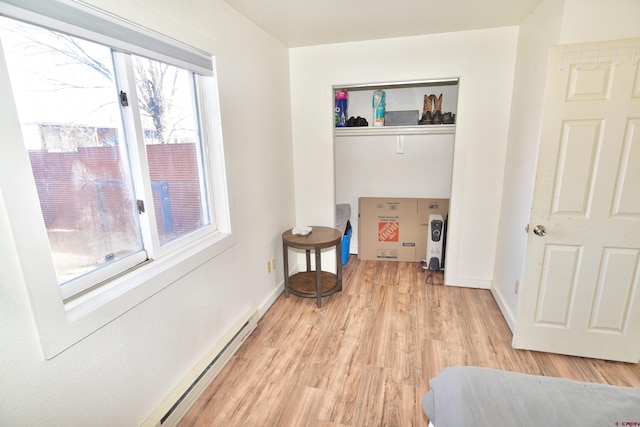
point(427, 119)
point(448, 118)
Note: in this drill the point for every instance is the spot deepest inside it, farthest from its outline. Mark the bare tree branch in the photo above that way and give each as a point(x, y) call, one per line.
point(156, 81)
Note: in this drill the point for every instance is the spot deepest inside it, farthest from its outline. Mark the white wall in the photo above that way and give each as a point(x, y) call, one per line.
point(540, 30)
point(483, 60)
point(552, 23)
point(585, 21)
point(121, 373)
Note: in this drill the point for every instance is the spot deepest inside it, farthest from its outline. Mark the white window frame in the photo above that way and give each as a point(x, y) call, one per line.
point(61, 324)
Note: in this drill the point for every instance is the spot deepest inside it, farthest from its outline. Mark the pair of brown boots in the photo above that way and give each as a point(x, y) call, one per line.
point(432, 112)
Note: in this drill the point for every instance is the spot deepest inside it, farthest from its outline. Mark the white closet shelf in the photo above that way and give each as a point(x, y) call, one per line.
point(396, 130)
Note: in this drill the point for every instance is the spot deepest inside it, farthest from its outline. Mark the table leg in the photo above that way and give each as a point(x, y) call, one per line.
point(308, 259)
point(339, 266)
point(287, 285)
point(318, 278)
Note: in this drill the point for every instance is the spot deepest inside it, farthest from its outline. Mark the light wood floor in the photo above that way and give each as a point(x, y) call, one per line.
point(365, 357)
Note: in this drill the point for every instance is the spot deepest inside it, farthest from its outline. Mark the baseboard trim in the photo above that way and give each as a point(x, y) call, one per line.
point(470, 282)
point(504, 309)
point(180, 400)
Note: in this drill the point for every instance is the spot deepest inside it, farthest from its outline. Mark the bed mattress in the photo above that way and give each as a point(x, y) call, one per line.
point(472, 396)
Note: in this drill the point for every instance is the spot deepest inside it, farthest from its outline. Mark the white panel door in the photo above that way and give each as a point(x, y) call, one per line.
point(580, 292)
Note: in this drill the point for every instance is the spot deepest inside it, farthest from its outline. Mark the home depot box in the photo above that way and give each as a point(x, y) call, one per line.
point(395, 229)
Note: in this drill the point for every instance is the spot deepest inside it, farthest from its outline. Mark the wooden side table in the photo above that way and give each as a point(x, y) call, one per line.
point(318, 283)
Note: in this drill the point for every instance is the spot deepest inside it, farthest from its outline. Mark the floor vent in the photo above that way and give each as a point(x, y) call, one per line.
point(184, 396)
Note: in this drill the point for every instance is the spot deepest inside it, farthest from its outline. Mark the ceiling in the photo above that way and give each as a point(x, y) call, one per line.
point(309, 22)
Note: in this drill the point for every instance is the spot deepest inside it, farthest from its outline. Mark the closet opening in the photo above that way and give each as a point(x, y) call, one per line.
point(394, 176)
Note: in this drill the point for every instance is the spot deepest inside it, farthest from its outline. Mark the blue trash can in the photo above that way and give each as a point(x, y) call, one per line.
point(346, 243)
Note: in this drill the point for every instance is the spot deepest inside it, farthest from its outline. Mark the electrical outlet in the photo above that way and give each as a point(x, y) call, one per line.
point(273, 264)
point(268, 266)
point(517, 286)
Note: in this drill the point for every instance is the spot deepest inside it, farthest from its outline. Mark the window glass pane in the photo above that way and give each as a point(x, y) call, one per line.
point(67, 103)
point(166, 95)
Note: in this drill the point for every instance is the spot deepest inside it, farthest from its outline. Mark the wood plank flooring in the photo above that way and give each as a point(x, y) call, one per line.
point(365, 357)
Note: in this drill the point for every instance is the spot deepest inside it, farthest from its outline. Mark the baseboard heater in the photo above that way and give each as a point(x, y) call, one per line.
point(184, 396)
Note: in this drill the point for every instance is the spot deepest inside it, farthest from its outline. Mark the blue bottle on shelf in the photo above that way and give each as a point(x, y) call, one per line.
point(378, 104)
point(342, 100)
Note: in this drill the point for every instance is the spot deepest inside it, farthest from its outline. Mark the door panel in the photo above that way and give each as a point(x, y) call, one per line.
point(590, 83)
point(580, 291)
point(559, 273)
point(614, 290)
point(579, 146)
point(627, 193)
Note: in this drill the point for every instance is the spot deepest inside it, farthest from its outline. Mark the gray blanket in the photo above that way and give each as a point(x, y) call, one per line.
point(470, 396)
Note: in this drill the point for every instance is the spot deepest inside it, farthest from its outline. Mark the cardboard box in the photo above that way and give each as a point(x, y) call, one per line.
point(395, 229)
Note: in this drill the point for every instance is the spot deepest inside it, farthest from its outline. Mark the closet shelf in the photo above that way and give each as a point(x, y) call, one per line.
point(396, 130)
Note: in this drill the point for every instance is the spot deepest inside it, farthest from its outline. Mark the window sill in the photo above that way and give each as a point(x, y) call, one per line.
point(88, 313)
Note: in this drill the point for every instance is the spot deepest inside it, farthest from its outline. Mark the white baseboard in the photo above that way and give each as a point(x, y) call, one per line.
point(470, 282)
point(268, 302)
point(506, 312)
point(180, 400)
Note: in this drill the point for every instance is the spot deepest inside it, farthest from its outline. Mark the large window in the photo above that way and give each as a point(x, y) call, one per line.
point(84, 135)
point(124, 151)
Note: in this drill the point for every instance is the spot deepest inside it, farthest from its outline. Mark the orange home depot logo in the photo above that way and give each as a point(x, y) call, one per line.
point(388, 231)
